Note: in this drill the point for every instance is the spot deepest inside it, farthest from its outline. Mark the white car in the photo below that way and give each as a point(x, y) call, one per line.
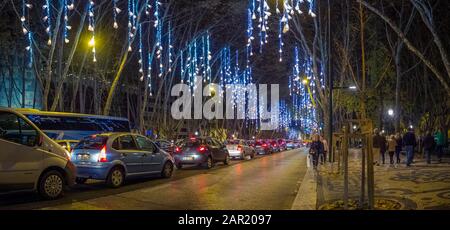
point(30, 160)
point(240, 149)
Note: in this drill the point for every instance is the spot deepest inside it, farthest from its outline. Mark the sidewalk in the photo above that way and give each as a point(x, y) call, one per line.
point(420, 187)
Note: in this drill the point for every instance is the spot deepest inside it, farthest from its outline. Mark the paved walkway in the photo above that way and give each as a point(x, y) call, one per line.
point(419, 187)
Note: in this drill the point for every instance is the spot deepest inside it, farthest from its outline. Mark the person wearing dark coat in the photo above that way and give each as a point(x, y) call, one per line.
point(379, 144)
point(409, 141)
point(316, 149)
point(428, 146)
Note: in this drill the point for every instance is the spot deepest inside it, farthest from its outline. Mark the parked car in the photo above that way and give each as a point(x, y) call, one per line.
point(240, 149)
point(274, 145)
point(30, 160)
point(165, 145)
point(113, 157)
point(282, 144)
point(262, 147)
point(199, 151)
point(291, 145)
point(67, 144)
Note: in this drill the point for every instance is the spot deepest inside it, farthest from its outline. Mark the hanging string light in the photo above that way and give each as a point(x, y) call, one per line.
point(209, 56)
point(66, 26)
point(158, 25)
point(141, 57)
point(116, 11)
point(250, 37)
point(311, 8)
point(280, 37)
point(26, 29)
point(169, 40)
point(130, 24)
point(48, 20)
point(91, 28)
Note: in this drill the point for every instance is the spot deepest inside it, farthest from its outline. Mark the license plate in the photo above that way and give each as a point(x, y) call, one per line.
point(188, 158)
point(83, 157)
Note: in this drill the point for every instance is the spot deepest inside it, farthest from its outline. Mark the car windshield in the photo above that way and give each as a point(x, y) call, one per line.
point(92, 142)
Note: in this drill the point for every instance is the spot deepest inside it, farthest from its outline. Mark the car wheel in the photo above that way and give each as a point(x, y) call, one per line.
point(179, 166)
point(80, 180)
point(167, 170)
point(227, 160)
point(209, 163)
point(115, 177)
point(51, 185)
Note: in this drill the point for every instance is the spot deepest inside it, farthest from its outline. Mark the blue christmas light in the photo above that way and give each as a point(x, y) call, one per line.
point(48, 20)
point(91, 28)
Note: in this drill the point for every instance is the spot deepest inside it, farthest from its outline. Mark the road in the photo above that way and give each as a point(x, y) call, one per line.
point(266, 182)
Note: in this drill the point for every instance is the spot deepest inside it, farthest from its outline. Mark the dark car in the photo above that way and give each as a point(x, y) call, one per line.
point(200, 151)
point(262, 147)
point(282, 144)
point(274, 145)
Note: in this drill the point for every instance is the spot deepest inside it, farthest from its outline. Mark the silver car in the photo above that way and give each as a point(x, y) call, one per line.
point(240, 149)
point(115, 156)
point(30, 160)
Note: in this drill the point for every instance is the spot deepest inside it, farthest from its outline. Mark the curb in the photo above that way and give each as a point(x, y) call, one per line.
point(306, 198)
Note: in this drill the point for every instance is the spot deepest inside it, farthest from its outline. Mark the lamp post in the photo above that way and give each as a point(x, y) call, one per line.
point(330, 117)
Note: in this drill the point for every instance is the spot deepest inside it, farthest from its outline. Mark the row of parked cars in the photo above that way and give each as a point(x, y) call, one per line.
point(31, 160)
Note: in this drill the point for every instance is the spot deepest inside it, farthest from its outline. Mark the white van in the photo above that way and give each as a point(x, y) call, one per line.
point(30, 160)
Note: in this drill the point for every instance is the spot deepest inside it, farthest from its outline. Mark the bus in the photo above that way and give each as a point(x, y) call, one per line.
point(74, 126)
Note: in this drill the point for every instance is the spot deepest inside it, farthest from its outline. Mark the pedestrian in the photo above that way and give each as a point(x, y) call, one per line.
point(325, 149)
point(440, 143)
point(379, 146)
point(398, 147)
point(428, 146)
point(409, 141)
point(392, 144)
point(316, 149)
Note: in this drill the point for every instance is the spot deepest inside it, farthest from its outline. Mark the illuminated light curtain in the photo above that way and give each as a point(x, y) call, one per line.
point(91, 28)
point(26, 29)
point(48, 20)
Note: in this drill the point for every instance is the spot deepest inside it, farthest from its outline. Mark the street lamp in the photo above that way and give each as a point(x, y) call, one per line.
point(92, 42)
point(391, 112)
point(330, 117)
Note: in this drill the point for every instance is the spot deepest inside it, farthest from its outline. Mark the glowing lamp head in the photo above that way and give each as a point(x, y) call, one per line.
point(92, 42)
point(305, 81)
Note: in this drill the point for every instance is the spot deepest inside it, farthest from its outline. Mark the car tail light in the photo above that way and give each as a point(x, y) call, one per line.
point(275, 145)
point(264, 145)
point(239, 148)
point(202, 149)
point(102, 155)
point(177, 150)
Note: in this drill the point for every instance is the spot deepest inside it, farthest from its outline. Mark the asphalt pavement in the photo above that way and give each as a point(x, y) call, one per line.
point(266, 182)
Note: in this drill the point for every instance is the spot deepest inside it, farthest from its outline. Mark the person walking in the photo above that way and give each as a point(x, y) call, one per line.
point(398, 147)
point(409, 141)
point(428, 146)
point(316, 150)
point(440, 143)
point(392, 144)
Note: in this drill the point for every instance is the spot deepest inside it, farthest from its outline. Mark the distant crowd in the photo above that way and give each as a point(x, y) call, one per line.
point(410, 144)
point(392, 145)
